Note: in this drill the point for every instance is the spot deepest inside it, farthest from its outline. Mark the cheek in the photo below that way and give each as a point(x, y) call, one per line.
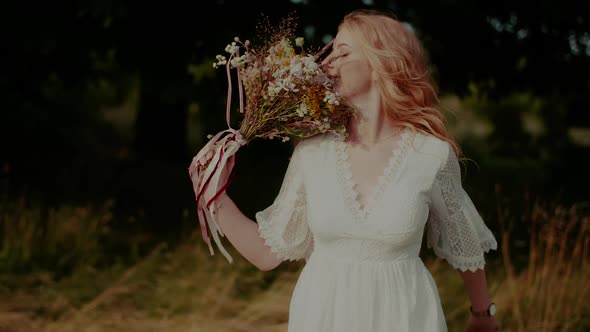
point(355, 76)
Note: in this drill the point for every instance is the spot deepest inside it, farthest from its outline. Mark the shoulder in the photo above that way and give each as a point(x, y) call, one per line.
point(430, 146)
point(311, 144)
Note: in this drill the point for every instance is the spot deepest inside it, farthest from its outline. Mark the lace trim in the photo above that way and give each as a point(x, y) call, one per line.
point(488, 245)
point(462, 263)
point(345, 178)
point(452, 238)
point(284, 250)
point(283, 225)
point(351, 195)
point(273, 241)
point(457, 261)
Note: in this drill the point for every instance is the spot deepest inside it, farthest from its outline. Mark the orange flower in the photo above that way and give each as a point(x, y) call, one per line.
point(311, 99)
point(331, 107)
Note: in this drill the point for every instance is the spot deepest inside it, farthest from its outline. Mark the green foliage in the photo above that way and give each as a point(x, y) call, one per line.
point(57, 239)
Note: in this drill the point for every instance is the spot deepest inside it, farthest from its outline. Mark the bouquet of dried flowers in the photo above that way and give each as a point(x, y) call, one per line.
point(283, 93)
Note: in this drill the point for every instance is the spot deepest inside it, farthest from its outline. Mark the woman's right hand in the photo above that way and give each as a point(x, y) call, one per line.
point(225, 172)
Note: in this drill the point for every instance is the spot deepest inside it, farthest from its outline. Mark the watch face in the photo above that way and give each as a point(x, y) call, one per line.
point(492, 309)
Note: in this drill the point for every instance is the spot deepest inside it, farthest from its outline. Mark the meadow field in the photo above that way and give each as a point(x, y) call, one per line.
point(57, 276)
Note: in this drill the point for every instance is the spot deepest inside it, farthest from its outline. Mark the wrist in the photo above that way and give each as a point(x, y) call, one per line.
point(487, 311)
point(219, 201)
point(480, 305)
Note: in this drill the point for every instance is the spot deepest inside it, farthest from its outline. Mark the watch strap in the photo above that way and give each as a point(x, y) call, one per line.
point(482, 313)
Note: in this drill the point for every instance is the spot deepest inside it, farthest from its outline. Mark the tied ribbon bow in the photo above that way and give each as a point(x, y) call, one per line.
point(206, 180)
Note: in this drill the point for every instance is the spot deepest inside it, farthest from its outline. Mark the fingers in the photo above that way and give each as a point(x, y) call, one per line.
point(206, 158)
point(326, 62)
point(324, 50)
point(232, 162)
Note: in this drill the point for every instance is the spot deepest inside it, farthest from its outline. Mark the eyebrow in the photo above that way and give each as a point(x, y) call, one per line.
point(340, 45)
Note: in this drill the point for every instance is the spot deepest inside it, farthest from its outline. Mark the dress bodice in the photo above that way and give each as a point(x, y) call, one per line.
point(317, 210)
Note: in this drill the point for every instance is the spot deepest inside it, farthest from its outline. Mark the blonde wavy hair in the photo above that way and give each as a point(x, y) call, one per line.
point(408, 92)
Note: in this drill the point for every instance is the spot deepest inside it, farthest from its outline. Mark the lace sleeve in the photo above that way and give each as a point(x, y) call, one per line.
point(456, 231)
point(283, 225)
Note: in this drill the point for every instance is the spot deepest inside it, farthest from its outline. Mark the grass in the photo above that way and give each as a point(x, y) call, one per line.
point(540, 285)
point(551, 293)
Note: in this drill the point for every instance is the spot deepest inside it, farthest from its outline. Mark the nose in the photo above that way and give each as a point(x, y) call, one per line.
point(328, 65)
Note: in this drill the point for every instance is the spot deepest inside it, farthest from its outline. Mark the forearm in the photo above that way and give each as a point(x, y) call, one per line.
point(243, 234)
point(477, 289)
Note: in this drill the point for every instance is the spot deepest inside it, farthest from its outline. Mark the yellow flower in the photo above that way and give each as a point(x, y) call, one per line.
point(311, 99)
point(331, 107)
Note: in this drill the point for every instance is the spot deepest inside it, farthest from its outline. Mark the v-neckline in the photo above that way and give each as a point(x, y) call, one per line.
point(351, 194)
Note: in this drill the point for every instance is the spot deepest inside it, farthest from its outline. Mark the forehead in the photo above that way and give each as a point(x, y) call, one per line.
point(345, 38)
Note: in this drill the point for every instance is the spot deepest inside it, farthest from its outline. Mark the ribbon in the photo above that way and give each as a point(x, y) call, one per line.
point(207, 183)
point(206, 180)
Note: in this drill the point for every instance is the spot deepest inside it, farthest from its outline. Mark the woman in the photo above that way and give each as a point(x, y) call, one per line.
point(356, 209)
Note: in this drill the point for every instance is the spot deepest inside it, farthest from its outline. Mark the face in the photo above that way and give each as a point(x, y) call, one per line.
point(348, 63)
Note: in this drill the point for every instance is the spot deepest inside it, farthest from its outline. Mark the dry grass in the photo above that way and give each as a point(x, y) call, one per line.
point(185, 289)
point(552, 292)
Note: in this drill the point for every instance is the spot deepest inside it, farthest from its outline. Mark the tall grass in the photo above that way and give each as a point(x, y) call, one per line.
point(552, 292)
point(539, 285)
point(33, 237)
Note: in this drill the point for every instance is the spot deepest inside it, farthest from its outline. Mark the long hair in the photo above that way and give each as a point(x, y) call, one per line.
point(408, 92)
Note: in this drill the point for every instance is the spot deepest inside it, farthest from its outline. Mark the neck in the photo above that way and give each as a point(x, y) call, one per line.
point(372, 124)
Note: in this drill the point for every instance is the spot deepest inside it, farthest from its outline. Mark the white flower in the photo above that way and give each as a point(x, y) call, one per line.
point(284, 44)
point(310, 67)
point(324, 127)
point(331, 98)
point(239, 61)
point(232, 48)
point(281, 72)
point(236, 39)
point(251, 73)
point(221, 60)
point(299, 41)
point(296, 68)
point(302, 110)
point(274, 88)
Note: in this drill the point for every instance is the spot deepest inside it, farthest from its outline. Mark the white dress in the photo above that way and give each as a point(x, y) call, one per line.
point(363, 271)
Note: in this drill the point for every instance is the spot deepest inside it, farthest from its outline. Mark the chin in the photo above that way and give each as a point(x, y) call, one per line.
point(342, 92)
point(346, 94)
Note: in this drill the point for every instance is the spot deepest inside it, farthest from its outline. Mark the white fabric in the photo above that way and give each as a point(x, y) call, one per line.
point(363, 271)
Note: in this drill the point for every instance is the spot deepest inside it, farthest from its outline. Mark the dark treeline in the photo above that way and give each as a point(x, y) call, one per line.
point(110, 100)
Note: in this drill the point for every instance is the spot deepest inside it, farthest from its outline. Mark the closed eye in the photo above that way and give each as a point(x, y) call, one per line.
point(340, 56)
point(333, 57)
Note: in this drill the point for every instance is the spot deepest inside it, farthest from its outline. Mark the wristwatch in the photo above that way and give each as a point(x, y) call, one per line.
point(489, 312)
